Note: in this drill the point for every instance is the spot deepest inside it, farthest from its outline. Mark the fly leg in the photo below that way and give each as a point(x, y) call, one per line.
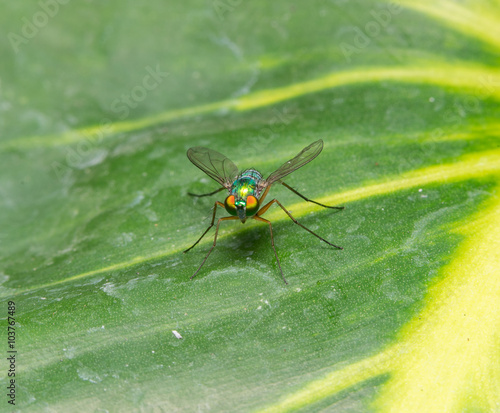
point(215, 240)
point(217, 203)
point(307, 199)
point(266, 207)
point(272, 243)
point(210, 193)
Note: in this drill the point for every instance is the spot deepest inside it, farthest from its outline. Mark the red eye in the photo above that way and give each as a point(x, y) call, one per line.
point(252, 205)
point(229, 205)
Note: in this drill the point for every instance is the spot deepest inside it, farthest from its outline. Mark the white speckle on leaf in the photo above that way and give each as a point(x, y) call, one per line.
point(109, 288)
point(69, 352)
point(356, 224)
point(150, 214)
point(123, 239)
point(95, 329)
point(94, 157)
point(4, 278)
point(137, 200)
point(421, 229)
point(233, 47)
point(88, 375)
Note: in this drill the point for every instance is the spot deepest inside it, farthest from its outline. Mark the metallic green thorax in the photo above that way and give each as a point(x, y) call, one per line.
point(246, 184)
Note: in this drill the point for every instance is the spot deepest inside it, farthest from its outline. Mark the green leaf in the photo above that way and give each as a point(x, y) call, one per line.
point(100, 102)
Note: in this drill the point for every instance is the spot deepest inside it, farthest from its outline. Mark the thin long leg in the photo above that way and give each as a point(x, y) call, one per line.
point(272, 243)
point(261, 199)
point(217, 203)
point(210, 193)
point(215, 241)
point(266, 207)
point(310, 200)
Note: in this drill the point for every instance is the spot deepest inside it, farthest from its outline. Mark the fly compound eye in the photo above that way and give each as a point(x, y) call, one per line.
point(229, 205)
point(252, 205)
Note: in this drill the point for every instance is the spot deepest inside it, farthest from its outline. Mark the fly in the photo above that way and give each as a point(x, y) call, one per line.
point(247, 190)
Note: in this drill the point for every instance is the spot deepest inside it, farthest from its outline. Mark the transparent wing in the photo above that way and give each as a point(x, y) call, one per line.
point(306, 155)
point(214, 164)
